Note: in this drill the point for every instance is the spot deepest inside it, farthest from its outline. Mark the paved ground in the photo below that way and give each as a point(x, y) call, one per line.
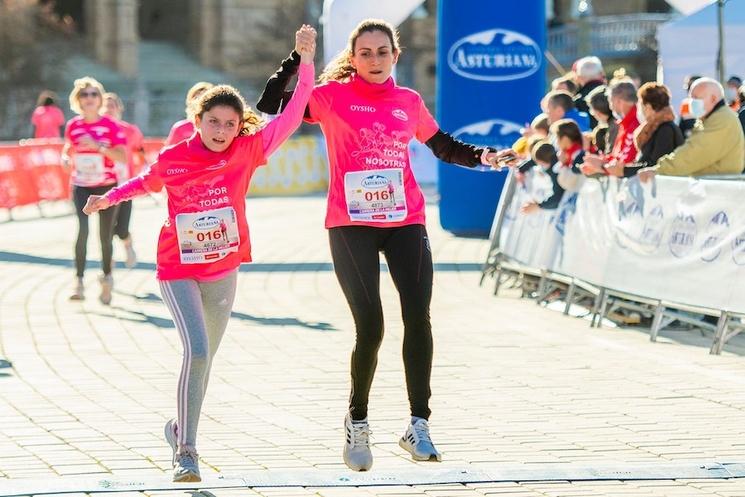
point(91, 386)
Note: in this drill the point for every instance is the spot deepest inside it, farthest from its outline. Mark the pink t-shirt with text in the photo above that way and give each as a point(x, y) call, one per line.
point(134, 143)
point(207, 194)
point(105, 131)
point(47, 121)
point(368, 127)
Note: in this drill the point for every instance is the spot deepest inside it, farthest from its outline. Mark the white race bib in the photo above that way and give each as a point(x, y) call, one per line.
point(375, 195)
point(207, 236)
point(89, 168)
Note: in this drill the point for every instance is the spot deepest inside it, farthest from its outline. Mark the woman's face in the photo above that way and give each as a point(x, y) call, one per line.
point(89, 99)
point(218, 127)
point(647, 111)
point(373, 56)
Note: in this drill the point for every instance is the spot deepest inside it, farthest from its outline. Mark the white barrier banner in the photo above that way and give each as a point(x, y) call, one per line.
point(676, 239)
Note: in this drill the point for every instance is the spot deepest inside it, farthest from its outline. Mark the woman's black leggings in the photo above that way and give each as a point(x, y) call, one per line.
point(106, 220)
point(121, 226)
point(354, 250)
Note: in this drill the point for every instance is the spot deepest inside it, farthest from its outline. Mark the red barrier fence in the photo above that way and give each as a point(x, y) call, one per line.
point(32, 171)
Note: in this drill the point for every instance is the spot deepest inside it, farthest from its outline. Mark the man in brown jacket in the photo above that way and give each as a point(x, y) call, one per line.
point(716, 145)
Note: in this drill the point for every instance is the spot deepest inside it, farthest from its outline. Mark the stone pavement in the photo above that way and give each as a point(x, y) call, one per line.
point(91, 386)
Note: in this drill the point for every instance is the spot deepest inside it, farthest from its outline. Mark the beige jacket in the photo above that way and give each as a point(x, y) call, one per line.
point(716, 146)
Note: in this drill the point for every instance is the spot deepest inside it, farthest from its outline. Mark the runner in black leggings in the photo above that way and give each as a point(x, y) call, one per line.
point(93, 143)
point(375, 205)
point(354, 250)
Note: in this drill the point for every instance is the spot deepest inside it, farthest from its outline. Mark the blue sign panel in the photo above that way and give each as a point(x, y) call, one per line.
point(490, 79)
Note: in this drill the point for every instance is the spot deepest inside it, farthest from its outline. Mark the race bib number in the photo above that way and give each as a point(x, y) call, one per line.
point(207, 236)
point(375, 195)
point(89, 169)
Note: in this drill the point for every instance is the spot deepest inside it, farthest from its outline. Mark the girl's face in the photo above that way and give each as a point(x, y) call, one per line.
point(565, 143)
point(89, 99)
point(373, 56)
point(218, 127)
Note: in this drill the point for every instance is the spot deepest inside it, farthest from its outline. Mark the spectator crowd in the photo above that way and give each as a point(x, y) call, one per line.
point(592, 127)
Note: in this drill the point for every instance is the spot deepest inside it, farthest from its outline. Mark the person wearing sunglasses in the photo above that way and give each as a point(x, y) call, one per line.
point(93, 144)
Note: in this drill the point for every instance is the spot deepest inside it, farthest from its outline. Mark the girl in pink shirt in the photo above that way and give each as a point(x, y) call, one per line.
point(47, 117)
point(205, 237)
point(183, 129)
point(114, 108)
point(93, 144)
point(375, 205)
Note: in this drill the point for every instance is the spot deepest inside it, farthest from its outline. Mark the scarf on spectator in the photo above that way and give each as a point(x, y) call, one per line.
point(644, 132)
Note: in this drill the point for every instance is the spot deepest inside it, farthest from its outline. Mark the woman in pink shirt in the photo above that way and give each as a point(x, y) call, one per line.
point(93, 145)
point(375, 205)
point(114, 108)
point(205, 237)
point(47, 117)
point(183, 129)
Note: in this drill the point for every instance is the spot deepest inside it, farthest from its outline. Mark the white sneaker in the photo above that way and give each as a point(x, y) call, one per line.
point(357, 454)
point(171, 433)
point(107, 285)
point(417, 442)
point(78, 292)
point(131, 260)
point(186, 467)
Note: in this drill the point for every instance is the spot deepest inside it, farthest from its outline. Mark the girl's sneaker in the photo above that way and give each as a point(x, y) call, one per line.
point(171, 433)
point(186, 467)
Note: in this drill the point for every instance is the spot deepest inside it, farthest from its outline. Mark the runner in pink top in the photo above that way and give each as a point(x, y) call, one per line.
point(375, 205)
point(205, 237)
point(114, 108)
point(183, 129)
point(47, 117)
point(93, 143)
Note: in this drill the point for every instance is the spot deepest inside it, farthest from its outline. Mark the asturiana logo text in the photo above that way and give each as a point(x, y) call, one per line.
point(375, 181)
point(495, 55)
point(206, 223)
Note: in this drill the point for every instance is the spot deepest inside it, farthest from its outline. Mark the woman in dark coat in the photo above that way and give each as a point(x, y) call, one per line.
point(658, 135)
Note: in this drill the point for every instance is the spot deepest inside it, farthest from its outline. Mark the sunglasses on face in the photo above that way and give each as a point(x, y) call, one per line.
point(92, 94)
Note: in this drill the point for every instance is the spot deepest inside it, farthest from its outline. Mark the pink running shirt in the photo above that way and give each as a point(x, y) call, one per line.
point(135, 142)
point(99, 170)
point(368, 127)
point(47, 121)
point(180, 131)
point(206, 233)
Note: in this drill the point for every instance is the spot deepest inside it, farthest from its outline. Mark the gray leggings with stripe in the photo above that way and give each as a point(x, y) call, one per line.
point(201, 311)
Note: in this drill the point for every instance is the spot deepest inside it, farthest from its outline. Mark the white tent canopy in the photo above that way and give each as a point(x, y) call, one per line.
point(341, 16)
point(690, 45)
point(688, 7)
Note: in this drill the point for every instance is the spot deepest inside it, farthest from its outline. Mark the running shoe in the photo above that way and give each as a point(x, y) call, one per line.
point(357, 454)
point(171, 432)
point(186, 467)
point(131, 260)
point(417, 442)
point(107, 285)
point(78, 292)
